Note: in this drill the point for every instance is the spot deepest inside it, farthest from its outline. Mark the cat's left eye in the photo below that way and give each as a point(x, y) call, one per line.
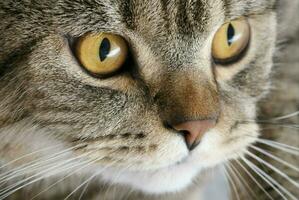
point(101, 54)
point(231, 41)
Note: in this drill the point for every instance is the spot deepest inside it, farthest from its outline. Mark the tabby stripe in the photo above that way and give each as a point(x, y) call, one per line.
point(127, 13)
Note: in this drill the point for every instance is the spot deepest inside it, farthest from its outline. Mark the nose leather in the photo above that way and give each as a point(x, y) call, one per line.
point(194, 131)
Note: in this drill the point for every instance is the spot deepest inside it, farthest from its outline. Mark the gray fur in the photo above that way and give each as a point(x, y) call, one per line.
point(46, 99)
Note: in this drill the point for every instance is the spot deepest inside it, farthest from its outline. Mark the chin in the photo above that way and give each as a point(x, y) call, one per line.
point(166, 180)
point(178, 177)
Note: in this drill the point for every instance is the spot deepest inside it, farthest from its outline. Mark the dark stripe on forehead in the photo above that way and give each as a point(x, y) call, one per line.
point(191, 16)
point(201, 14)
point(165, 12)
point(181, 18)
point(127, 12)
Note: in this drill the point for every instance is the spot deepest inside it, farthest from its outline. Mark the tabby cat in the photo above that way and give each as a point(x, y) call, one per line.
point(155, 99)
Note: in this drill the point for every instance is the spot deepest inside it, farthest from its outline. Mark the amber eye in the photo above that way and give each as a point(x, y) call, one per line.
point(231, 41)
point(102, 54)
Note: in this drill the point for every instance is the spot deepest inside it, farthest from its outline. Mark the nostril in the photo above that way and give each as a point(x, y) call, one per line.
point(185, 132)
point(193, 131)
point(189, 140)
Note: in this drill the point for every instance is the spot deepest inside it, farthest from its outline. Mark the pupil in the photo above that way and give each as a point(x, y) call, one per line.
point(104, 49)
point(230, 34)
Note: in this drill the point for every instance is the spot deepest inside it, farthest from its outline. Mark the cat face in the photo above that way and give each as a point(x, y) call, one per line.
point(126, 121)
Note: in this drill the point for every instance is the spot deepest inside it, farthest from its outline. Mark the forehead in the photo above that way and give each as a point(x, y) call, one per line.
point(179, 13)
point(183, 12)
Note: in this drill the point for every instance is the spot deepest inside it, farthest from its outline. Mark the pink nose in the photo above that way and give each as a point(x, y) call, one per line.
point(194, 131)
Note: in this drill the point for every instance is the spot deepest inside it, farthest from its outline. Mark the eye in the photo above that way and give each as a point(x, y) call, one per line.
point(231, 41)
point(102, 54)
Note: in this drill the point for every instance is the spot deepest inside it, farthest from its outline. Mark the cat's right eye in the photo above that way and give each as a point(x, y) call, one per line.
point(231, 41)
point(101, 54)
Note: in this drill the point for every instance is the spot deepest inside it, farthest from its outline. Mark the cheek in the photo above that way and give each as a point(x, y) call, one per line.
point(230, 138)
point(218, 147)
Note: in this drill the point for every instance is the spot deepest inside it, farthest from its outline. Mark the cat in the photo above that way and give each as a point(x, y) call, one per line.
point(157, 99)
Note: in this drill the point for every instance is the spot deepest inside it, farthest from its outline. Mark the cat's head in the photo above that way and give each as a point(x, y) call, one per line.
point(154, 90)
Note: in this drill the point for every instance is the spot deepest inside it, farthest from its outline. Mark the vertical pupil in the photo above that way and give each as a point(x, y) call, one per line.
point(230, 34)
point(104, 49)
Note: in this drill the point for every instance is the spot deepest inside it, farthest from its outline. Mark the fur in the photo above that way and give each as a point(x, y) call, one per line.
point(113, 132)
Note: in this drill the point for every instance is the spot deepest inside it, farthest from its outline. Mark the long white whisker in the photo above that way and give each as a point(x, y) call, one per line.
point(294, 114)
point(242, 180)
point(281, 144)
point(40, 178)
point(275, 158)
point(116, 177)
point(28, 155)
point(289, 126)
point(283, 147)
point(270, 180)
point(27, 170)
point(90, 178)
point(65, 177)
point(273, 168)
point(33, 164)
point(254, 179)
point(83, 191)
point(53, 167)
point(77, 188)
point(237, 178)
point(286, 116)
point(232, 184)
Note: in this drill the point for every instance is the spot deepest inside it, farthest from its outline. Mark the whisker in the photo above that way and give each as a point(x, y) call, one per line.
point(90, 178)
point(235, 177)
point(116, 177)
point(284, 147)
point(232, 184)
point(272, 123)
point(40, 178)
point(26, 170)
point(295, 129)
point(280, 125)
point(254, 179)
point(83, 191)
point(286, 116)
point(274, 120)
point(62, 179)
point(269, 180)
point(242, 180)
point(35, 163)
point(275, 158)
point(65, 177)
point(28, 155)
point(227, 184)
point(277, 145)
point(273, 168)
point(77, 188)
point(118, 174)
point(53, 167)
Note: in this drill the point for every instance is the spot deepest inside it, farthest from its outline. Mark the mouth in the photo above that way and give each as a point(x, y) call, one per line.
point(181, 162)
